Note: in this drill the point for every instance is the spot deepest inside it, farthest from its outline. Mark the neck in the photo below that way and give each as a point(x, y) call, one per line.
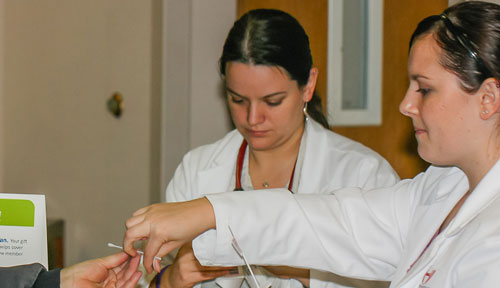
point(477, 167)
point(272, 168)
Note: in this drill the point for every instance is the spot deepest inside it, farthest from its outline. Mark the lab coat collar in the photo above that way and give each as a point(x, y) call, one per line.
point(433, 211)
point(486, 192)
point(224, 162)
point(312, 156)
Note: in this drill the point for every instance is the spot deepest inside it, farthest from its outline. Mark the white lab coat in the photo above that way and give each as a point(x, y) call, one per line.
point(330, 161)
point(375, 235)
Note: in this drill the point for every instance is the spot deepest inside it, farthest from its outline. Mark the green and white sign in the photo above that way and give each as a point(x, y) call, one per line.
point(23, 229)
point(17, 212)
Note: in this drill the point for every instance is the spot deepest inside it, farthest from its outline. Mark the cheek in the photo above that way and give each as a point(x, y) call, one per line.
point(238, 113)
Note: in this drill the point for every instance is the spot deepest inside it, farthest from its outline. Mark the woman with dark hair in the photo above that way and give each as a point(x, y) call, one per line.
point(281, 139)
point(439, 229)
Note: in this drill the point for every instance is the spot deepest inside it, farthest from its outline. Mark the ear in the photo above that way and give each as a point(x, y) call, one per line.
point(490, 98)
point(311, 85)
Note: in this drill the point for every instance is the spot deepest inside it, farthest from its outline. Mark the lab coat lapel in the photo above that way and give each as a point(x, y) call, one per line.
point(217, 178)
point(222, 173)
point(486, 192)
point(310, 179)
point(429, 216)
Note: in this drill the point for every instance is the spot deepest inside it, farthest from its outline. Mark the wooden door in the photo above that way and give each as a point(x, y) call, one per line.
point(394, 139)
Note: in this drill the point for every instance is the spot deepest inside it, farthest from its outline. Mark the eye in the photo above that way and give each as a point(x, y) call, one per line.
point(423, 91)
point(236, 99)
point(274, 103)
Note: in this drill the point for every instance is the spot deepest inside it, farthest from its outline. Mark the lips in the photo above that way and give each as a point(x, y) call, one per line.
point(257, 133)
point(419, 131)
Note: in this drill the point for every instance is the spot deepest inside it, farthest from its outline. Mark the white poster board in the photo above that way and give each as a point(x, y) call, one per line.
point(23, 230)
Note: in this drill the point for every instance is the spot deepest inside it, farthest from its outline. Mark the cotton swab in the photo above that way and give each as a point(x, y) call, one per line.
point(138, 251)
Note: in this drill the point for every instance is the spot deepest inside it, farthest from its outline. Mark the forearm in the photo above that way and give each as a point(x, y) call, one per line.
point(306, 231)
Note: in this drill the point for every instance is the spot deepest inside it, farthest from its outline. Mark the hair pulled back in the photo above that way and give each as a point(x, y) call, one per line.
point(475, 29)
point(272, 38)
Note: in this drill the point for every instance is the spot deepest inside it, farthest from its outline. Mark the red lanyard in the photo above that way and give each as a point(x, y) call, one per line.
point(239, 168)
point(427, 246)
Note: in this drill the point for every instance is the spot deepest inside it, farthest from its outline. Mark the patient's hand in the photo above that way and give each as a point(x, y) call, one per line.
point(286, 272)
point(186, 271)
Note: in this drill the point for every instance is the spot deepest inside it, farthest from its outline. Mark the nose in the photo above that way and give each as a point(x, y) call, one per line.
point(409, 104)
point(255, 114)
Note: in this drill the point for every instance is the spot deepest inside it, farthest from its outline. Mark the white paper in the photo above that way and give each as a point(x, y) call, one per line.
point(23, 232)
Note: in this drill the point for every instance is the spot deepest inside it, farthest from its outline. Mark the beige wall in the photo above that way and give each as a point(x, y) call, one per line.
point(63, 60)
point(193, 108)
point(211, 21)
point(56, 137)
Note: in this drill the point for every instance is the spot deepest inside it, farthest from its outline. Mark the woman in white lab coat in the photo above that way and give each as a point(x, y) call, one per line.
point(267, 67)
point(440, 229)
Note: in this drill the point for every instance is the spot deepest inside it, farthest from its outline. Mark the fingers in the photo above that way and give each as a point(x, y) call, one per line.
point(209, 275)
point(134, 233)
point(129, 277)
point(153, 249)
point(134, 220)
point(168, 247)
point(133, 264)
point(140, 211)
point(114, 260)
point(150, 252)
point(132, 282)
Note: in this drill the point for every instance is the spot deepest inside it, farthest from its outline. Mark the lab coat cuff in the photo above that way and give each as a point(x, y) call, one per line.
point(214, 246)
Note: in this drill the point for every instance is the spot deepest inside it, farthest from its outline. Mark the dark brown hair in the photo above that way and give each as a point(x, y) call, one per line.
point(469, 34)
point(273, 38)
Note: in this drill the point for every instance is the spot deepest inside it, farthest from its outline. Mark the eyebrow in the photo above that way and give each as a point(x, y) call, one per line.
point(418, 76)
point(265, 96)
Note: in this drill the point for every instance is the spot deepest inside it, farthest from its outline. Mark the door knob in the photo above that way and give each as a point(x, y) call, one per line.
point(115, 105)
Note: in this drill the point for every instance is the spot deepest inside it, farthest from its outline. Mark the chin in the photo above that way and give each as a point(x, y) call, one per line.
point(259, 144)
point(433, 158)
point(425, 155)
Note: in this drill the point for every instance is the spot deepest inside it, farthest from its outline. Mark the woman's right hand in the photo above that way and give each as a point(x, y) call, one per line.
point(186, 271)
point(167, 226)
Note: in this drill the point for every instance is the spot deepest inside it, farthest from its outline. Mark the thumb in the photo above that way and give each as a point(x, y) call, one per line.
point(114, 260)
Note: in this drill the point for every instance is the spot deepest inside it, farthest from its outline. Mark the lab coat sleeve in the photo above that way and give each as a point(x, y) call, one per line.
point(351, 232)
point(375, 173)
point(180, 187)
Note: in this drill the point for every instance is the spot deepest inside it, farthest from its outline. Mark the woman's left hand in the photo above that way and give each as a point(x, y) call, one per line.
point(167, 226)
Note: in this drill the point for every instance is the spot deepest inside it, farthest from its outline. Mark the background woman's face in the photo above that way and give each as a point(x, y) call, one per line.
point(443, 115)
point(265, 104)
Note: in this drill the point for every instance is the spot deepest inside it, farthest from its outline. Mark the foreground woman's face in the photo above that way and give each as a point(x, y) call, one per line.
point(444, 116)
